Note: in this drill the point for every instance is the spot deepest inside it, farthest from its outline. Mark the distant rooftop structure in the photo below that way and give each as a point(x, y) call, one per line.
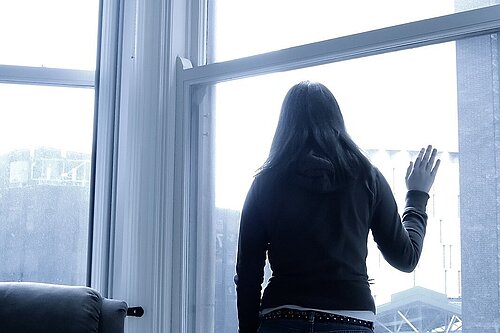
point(419, 310)
point(44, 166)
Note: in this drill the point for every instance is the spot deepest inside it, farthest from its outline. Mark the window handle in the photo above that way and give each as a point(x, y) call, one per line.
point(136, 311)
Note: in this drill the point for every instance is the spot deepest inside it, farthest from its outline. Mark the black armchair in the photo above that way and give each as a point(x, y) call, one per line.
point(27, 307)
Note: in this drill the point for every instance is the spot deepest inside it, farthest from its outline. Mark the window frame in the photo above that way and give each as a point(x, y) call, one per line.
point(193, 103)
point(58, 77)
point(44, 76)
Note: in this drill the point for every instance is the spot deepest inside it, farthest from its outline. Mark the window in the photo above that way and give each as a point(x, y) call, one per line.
point(49, 33)
point(46, 129)
point(439, 74)
point(244, 28)
point(374, 94)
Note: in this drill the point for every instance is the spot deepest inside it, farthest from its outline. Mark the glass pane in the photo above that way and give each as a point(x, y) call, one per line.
point(49, 33)
point(45, 147)
point(393, 104)
point(244, 28)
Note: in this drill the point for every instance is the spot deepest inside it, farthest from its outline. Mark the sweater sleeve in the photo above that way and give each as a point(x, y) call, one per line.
point(250, 263)
point(399, 241)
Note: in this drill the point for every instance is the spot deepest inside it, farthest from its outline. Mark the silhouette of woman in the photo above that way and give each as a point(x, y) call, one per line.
point(309, 210)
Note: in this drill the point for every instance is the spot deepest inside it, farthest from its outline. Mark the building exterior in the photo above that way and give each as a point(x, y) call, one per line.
point(479, 136)
point(419, 310)
point(44, 200)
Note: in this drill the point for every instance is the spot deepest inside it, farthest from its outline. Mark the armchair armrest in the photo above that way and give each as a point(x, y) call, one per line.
point(113, 314)
point(27, 307)
point(37, 307)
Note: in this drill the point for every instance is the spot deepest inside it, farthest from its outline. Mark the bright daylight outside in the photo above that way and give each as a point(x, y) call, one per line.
point(393, 105)
point(45, 141)
point(391, 115)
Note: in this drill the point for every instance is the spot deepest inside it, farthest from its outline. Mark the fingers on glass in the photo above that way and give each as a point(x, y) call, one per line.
point(435, 168)
point(408, 171)
point(426, 158)
point(419, 158)
point(430, 163)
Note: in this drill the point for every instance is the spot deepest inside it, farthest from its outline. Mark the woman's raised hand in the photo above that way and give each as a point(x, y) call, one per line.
point(421, 173)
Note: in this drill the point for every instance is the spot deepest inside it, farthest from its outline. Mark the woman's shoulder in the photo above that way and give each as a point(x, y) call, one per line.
point(268, 178)
point(369, 178)
point(378, 184)
point(378, 176)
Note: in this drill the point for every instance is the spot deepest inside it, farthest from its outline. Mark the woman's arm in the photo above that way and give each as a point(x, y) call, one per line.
point(250, 263)
point(401, 243)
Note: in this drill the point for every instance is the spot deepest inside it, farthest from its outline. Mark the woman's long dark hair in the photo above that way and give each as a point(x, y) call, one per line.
point(311, 120)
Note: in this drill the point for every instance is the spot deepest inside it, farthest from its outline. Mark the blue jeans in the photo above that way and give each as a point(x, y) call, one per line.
point(304, 326)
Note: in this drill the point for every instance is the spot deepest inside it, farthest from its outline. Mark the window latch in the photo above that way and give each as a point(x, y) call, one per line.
point(136, 311)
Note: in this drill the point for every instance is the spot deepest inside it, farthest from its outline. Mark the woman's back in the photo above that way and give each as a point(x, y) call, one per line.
point(310, 210)
point(317, 233)
point(317, 223)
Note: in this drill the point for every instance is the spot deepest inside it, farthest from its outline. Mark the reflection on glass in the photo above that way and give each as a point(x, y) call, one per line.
point(393, 104)
point(243, 28)
point(45, 145)
point(49, 33)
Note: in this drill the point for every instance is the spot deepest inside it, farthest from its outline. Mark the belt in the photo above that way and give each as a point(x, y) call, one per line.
point(317, 316)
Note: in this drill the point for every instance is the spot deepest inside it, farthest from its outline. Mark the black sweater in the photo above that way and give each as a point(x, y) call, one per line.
point(314, 231)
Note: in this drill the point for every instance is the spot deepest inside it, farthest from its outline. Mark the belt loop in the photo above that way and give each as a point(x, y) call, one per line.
point(311, 317)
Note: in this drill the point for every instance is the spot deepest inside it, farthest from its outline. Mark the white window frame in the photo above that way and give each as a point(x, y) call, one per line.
point(101, 220)
point(47, 76)
point(192, 153)
point(134, 233)
point(56, 77)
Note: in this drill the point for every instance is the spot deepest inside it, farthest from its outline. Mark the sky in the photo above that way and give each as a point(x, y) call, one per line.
point(243, 28)
point(49, 33)
point(402, 100)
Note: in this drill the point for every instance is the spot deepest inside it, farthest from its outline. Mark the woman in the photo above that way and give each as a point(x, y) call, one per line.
point(310, 209)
